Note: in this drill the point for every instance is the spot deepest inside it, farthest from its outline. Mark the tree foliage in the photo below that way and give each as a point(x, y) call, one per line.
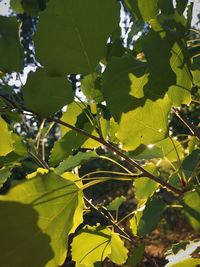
point(96, 91)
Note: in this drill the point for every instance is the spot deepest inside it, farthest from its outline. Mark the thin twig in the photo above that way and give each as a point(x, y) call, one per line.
point(193, 129)
point(120, 154)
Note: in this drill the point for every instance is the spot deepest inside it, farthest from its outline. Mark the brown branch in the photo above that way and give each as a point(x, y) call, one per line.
point(118, 229)
point(193, 129)
point(120, 154)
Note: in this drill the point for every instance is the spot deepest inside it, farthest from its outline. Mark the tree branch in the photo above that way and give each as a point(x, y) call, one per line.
point(120, 154)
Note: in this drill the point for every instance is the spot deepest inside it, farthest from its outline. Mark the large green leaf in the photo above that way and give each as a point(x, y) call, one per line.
point(46, 94)
point(146, 219)
point(76, 42)
point(38, 215)
point(6, 141)
point(11, 53)
point(191, 207)
point(96, 244)
point(144, 125)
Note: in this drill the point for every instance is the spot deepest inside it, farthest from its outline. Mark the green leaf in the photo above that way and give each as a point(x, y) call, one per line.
point(171, 149)
point(166, 53)
point(116, 203)
point(18, 152)
point(181, 5)
point(190, 163)
point(70, 116)
point(89, 87)
point(96, 244)
point(166, 6)
point(6, 141)
point(119, 252)
point(39, 214)
point(4, 175)
point(196, 70)
point(145, 187)
point(137, 256)
point(191, 208)
point(46, 94)
point(144, 125)
point(76, 42)
point(71, 141)
point(143, 9)
point(76, 160)
point(32, 7)
point(127, 77)
point(11, 52)
point(144, 221)
point(146, 152)
point(16, 6)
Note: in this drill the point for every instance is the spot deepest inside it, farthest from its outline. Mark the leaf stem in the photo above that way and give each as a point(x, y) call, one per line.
point(121, 155)
point(194, 130)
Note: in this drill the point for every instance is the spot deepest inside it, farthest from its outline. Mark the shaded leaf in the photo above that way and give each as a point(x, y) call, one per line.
point(137, 256)
point(196, 70)
point(144, 221)
point(76, 42)
point(191, 208)
point(89, 87)
point(191, 163)
point(11, 52)
point(45, 94)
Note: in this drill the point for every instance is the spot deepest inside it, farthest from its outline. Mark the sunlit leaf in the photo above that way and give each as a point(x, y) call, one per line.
point(41, 214)
point(76, 160)
point(6, 141)
point(96, 244)
point(116, 203)
point(4, 175)
point(145, 187)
